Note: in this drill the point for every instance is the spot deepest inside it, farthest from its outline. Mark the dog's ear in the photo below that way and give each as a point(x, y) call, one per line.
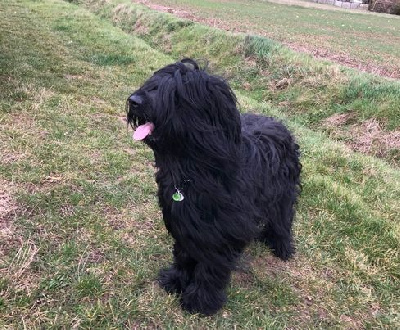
point(190, 64)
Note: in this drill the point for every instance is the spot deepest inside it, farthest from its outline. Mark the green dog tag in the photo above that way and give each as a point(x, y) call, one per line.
point(177, 197)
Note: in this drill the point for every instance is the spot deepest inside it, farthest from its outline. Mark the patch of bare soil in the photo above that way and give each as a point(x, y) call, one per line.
point(320, 53)
point(177, 12)
point(7, 209)
point(14, 267)
point(369, 137)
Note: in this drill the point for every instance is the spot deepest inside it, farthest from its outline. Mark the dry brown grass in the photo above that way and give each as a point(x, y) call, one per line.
point(369, 137)
point(8, 206)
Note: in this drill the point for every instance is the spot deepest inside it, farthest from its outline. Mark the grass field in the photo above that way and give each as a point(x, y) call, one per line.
point(81, 236)
point(358, 109)
point(354, 38)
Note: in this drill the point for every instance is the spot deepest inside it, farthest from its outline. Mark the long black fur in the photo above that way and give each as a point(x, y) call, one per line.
point(239, 175)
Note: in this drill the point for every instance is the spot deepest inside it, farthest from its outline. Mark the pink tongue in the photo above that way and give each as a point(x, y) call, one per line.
point(142, 131)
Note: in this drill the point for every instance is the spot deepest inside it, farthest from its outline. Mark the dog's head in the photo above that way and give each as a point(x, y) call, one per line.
point(181, 105)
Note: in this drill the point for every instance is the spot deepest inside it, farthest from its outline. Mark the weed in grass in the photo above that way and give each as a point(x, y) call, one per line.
point(88, 285)
point(261, 48)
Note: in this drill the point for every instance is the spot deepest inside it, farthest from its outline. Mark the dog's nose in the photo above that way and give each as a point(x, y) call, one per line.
point(135, 99)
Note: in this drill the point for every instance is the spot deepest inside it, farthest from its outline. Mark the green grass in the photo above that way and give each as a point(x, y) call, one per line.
point(364, 40)
point(82, 236)
point(311, 92)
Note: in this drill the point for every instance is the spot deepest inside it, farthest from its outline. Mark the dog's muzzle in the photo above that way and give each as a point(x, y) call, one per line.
point(133, 103)
point(137, 118)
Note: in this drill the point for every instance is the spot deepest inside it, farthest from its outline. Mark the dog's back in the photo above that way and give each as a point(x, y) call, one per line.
point(271, 143)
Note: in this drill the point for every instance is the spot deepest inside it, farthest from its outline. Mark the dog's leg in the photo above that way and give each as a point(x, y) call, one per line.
point(281, 245)
point(206, 293)
point(278, 232)
point(176, 278)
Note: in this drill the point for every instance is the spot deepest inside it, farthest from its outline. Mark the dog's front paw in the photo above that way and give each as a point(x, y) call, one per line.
point(283, 250)
point(170, 280)
point(206, 302)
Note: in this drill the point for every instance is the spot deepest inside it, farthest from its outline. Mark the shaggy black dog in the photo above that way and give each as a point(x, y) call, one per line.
point(223, 179)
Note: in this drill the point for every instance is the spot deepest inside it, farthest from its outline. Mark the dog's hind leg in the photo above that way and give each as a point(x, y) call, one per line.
point(176, 278)
point(277, 234)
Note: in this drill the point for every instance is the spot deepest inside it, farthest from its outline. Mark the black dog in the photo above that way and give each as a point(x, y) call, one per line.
point(223, 179)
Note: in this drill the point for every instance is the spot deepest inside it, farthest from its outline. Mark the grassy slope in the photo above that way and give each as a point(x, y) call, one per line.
point(83, 238)
point(374, 38)
point(308, 91)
